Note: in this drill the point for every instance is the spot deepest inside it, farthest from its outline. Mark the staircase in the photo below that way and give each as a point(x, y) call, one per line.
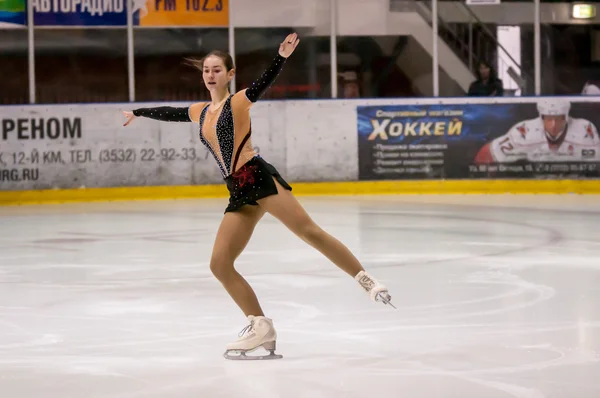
point(470, 42)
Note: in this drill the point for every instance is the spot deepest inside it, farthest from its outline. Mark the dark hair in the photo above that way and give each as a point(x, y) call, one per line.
point(490, 66)
point(199, 63)
point(484, 64)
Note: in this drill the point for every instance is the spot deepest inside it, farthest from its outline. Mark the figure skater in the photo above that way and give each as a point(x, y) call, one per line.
point(255, 188)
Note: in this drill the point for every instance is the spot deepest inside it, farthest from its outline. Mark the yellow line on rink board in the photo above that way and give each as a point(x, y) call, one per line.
point(110, 194)
point(437, 187)
point(441, 187)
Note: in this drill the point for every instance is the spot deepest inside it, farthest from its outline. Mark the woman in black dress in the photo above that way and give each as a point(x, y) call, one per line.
point(255, 188)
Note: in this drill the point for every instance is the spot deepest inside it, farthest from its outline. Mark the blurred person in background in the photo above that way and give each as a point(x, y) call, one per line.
point(487, 83)
point(350, 86)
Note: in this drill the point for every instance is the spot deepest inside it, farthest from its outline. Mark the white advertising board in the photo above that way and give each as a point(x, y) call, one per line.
point(88, 146)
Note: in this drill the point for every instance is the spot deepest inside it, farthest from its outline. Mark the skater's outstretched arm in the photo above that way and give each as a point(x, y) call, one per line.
point(167, 113)
point(260, 85)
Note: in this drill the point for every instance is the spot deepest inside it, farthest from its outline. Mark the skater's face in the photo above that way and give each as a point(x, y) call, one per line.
point(215, 74)
point(554, 124)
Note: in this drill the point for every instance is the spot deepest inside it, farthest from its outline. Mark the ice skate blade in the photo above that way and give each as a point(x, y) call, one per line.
point(241, 354)
point(390, 303)
point(243, 357)
point(386, 299)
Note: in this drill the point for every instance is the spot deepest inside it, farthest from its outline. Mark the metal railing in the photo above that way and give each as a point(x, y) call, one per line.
point(472, 41)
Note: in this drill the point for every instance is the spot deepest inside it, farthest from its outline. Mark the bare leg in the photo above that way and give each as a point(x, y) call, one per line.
point(232, 237)
point(286, 208)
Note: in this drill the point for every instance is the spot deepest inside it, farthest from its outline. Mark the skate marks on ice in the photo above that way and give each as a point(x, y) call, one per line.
point(477, 316)
point(502, 306)
point(498, 356)
point(447, 237)
point(466, 341)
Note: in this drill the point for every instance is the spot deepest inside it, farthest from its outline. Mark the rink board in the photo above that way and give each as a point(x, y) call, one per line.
point(496, 187)
point(83, 152)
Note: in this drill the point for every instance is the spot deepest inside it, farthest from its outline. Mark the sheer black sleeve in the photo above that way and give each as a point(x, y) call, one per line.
point(164, 114)
point(260, 85)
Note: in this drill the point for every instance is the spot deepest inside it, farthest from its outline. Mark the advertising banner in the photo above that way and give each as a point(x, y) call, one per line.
point(13, 13)
point(549, 139)
point(169, 13)
point(152, 13)
point(88, 146)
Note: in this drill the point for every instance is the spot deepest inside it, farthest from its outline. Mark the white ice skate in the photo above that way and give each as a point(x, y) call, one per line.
point(376, 290)
point(260, 333)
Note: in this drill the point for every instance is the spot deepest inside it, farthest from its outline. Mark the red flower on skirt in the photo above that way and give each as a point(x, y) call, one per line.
point(245, 175)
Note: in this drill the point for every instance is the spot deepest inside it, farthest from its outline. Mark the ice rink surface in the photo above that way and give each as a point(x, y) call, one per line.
point(497, 296)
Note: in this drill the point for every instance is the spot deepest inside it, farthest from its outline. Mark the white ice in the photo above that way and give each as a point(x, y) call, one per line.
point(497, 297)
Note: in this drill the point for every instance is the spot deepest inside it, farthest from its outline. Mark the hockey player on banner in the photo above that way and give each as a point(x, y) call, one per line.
point(553, 136)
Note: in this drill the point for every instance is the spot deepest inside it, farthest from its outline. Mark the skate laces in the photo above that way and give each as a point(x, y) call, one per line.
point(366, 282)
point(248, 329)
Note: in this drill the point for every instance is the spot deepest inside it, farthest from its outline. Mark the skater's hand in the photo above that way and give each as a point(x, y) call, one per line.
point(287, 47)
point(130, 116)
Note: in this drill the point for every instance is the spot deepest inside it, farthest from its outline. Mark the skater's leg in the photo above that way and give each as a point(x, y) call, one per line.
point(232, 237)
point(288, 210)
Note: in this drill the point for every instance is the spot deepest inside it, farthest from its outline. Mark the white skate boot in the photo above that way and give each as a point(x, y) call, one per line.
point(376, 290)
point(260, 333)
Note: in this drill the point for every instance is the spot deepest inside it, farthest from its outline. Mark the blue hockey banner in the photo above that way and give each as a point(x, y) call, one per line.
point(79, 12)
point(514, 140)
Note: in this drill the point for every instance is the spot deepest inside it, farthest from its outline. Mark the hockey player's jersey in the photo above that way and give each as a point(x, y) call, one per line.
point(527, 141)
